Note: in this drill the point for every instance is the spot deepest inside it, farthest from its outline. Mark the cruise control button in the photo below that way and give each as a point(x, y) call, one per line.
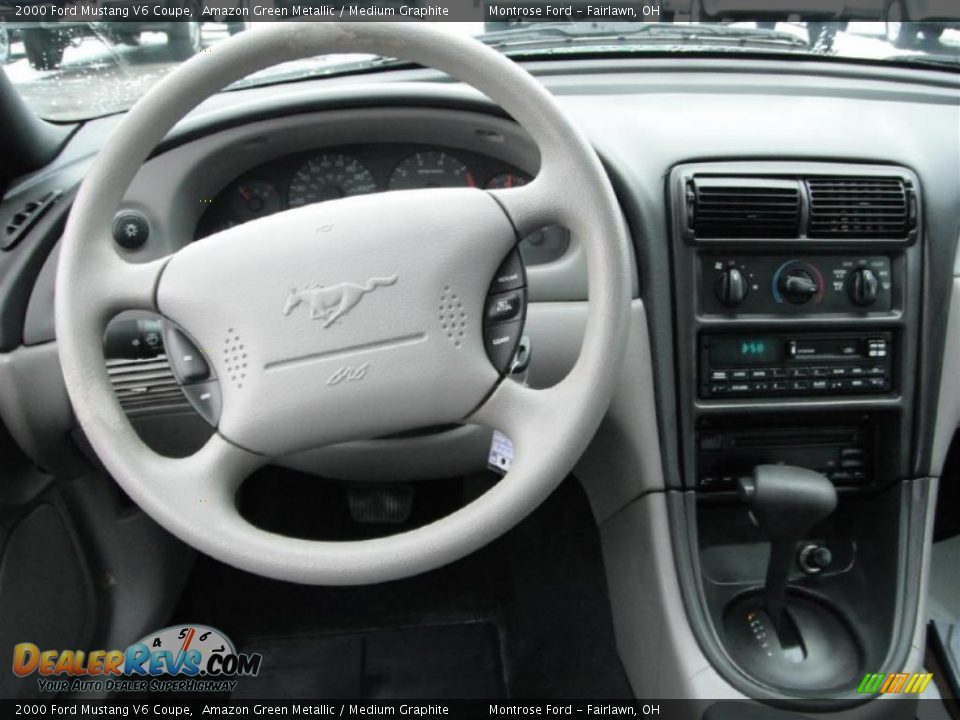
point(185, 359)
point(510, 274)
point(501, 343)
point(505, 306)
point(206, 400)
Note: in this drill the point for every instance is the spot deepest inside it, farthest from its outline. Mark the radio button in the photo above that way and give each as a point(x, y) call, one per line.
point(719, 375)
point(877, 383)
point(739, 375)
point(777, 372)
point(779, 386)
point(876, 370)
point(819, 385)
point(801, 385)
point(838, 372)
point(760, 386)
point(839, 384)
point(858, 384)
point(856, 371)
point(718, 389)
point(758, 374)
point(740, 387)
point(799, 372)
point(876, 348)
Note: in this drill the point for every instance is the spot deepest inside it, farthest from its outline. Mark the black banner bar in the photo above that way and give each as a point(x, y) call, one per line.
point(490, 11)
point(190, 707)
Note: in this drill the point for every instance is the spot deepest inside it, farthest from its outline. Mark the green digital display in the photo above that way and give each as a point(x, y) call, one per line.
point(744, 351)
point(752, 348)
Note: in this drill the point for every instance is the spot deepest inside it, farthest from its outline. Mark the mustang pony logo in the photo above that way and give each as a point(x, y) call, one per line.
point(331, 302)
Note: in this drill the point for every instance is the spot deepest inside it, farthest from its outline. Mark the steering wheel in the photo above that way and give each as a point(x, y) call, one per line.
point(385, 291)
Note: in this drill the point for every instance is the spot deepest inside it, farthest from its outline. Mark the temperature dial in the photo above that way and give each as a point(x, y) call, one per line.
point(798, 286)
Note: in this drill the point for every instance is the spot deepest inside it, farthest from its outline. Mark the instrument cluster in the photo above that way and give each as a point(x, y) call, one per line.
point(317, 176)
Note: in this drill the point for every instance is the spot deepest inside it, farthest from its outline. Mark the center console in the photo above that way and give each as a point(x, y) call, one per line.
point(797, 295)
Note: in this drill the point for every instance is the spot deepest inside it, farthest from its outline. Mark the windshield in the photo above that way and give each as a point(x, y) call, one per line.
point(70, 71)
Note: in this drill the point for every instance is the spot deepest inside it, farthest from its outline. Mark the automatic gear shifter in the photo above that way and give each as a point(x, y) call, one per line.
point(794, 640)
point(785, 502)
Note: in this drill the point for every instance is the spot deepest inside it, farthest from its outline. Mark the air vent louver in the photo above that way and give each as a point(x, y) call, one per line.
point(858, 207)
point(145, 384)
point(745, 208)
point(20, 223)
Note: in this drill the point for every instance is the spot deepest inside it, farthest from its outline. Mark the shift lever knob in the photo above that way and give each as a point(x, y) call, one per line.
point(785, 502)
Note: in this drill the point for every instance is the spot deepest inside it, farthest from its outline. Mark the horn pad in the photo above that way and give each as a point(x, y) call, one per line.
point(328, 323)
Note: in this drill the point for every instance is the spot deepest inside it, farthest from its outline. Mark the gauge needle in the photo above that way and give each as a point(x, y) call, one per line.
point(244, 193)
point(186, 641)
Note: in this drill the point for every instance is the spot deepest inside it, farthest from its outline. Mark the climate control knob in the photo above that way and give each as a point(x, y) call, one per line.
point(732, 287)
point(864, 287)
point(798, 286)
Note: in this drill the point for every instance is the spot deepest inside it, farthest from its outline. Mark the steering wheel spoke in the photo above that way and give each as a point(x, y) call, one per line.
point(207, 479)
point(132, 286)
point(532, 206)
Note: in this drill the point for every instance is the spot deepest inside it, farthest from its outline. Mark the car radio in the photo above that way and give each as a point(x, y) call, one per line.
point(796, 364)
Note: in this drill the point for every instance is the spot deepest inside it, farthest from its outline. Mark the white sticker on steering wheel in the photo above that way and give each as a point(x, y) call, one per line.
point(501, 453)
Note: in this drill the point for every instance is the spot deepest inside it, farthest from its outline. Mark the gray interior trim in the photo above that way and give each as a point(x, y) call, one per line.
point(948, 407)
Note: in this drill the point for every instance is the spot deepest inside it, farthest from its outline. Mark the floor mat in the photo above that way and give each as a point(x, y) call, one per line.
point(442, 661)
point(535, 600)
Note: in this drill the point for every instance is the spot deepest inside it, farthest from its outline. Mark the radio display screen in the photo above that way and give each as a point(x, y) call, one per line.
point(745, 351)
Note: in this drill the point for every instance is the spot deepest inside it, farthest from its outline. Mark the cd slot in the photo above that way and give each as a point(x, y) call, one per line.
point(842, 453)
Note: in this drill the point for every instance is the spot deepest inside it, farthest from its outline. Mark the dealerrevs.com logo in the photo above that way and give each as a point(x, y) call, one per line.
point(188, 658)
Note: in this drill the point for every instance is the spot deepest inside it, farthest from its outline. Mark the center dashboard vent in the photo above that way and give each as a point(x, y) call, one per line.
point(858, 207)
point(744, 207)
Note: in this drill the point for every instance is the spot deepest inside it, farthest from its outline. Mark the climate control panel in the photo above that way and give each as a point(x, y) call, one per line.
point(794, 285)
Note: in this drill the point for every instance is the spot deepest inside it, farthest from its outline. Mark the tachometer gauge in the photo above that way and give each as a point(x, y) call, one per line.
point(253, 199)
point(430, 169)
point(506, 180)
point(328, 177)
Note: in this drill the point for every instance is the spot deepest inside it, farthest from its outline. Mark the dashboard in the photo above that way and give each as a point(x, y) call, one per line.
point(323, 174)
point(777, 344)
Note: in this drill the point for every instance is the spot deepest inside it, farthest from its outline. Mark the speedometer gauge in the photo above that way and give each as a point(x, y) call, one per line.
point(328, 177)
point(429, 169)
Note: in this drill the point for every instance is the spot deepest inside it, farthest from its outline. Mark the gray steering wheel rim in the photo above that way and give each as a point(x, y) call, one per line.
point(194, 498)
